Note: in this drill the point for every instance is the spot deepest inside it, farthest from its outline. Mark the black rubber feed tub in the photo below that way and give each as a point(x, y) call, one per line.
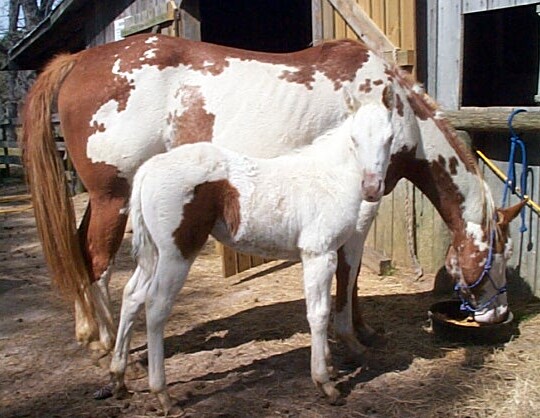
point(449, 322)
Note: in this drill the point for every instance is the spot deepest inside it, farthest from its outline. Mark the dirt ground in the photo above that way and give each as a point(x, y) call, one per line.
point(239, 347)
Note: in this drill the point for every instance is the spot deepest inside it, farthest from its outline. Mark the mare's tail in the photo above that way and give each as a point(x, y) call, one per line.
point(53, 209)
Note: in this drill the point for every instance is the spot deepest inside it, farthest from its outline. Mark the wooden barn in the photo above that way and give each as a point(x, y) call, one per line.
point(476, 57)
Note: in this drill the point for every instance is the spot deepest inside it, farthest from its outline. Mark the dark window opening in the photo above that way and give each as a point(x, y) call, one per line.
point(262, 25)
point(500, 57)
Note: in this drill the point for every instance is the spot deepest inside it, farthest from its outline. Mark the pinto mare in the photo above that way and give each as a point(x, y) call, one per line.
point(300, 206)
point(123, 102)
point(147, 94)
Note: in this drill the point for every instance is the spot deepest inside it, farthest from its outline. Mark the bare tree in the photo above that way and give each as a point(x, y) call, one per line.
point(23, 16)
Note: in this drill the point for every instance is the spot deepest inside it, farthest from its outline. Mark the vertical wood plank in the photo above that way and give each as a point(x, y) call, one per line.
point(316, 21)
point(378, 14)
point(228, 260)
point(400, 242)
point(449, 52)
point(328, 20)
point(384, 231)
point(432, 59)
point(243, 262)
point(365, 5)
point(424, 231)
point(339, 26)
point(392, 21)
point(408, 24)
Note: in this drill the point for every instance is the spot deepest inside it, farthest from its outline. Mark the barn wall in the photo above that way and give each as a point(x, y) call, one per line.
point(110, 32)
point(445, 69)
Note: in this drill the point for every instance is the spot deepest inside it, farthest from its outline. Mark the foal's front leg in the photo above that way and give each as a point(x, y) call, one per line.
point(318, 272)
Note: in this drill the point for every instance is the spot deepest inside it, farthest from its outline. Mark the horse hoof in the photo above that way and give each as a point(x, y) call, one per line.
point(332, 372)
point(104, 392)
point(136, 370)
point(169, 405)
point(331, 393)
point(372, 339)
point(377, 341)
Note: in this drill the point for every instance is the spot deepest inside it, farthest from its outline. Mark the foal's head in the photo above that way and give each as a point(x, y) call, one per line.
point(372, 133)
point(477, 263)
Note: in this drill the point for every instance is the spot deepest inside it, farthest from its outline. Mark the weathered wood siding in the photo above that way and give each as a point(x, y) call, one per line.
point(396, 18)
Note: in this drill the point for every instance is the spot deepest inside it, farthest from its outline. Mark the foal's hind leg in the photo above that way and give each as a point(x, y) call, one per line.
point(170, 275)
point(101, 234)
point(132, 302)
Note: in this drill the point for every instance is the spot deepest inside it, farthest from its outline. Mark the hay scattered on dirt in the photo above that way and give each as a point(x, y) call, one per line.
point(239, 347)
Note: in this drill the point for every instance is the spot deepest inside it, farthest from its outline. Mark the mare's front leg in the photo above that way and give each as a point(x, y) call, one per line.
point(348, 321)
point(318, 272)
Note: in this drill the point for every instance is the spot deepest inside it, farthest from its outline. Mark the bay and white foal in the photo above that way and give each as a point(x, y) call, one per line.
point(300, 206)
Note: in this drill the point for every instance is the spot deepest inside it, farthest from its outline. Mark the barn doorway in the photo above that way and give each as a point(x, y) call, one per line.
point(501, 57)
point(262, 25)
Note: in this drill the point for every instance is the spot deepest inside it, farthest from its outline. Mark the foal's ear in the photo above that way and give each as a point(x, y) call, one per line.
point(507, 215)
point(352, 103)
point(388, 96)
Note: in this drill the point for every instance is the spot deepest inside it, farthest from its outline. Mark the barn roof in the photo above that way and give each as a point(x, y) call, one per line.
point(68, 28)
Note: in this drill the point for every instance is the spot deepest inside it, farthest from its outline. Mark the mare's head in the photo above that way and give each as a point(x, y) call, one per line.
point(372, 132)
point(477, 263)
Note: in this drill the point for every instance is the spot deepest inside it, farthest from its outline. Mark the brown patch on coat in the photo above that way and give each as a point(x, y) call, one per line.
point(433, 180)
point(195, 124)
point(399, 105)
point(365, 87)
point(211, 201)
point(337, 60)
point(98, 127)
point(452, 165)
point(378, 82)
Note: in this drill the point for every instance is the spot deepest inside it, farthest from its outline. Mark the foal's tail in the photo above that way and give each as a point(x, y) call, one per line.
point(143, 246)
point(53, 209)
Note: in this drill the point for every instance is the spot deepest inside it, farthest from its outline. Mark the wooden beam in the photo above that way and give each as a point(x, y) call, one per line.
point(362, 25)
point(492, 119)
point(376, 261)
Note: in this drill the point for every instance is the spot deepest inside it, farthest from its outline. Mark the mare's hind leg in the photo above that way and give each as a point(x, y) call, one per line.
point(101, 234)
point(349, 323)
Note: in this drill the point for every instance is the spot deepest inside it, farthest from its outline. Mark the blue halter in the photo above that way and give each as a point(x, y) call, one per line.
point(510, 184)
point(465, 304)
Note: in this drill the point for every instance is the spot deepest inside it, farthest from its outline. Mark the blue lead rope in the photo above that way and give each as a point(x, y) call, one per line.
point(510, 183)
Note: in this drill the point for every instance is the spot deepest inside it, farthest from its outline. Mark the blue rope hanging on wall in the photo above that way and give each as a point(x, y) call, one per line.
point(510, 184)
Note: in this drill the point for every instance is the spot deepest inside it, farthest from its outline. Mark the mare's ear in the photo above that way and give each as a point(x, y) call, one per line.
point(507, 215)
point(388, 97)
